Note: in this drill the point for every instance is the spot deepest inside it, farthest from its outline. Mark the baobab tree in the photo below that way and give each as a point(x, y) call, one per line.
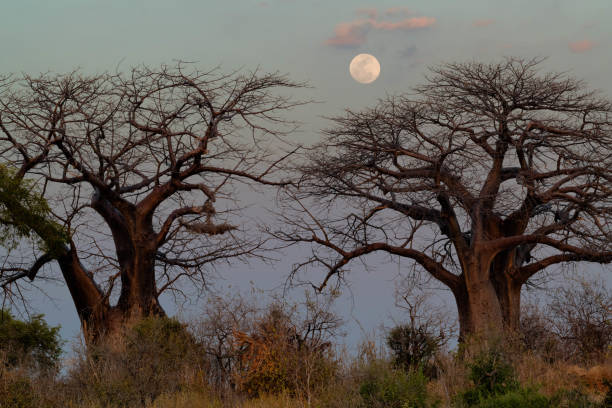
point(483, 177)
point(141, 171)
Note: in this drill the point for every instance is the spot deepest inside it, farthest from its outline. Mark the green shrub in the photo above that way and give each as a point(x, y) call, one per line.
point(413, 346)
point(17, 392)
point(384, 386)
point(492, 375)
point(519, 398)
point(608, 397)
point(32, 342)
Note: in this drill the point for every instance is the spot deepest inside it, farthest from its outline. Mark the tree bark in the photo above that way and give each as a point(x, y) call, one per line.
point(507, 288)
point(92, 307)
point(488, 300)
point(137, 298)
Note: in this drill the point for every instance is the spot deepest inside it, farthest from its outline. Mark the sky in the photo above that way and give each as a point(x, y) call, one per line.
point(313, 41)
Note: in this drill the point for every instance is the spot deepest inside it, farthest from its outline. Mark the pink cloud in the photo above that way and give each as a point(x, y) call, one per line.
point(581, 46)
point(407, 24)
point(483, 23)
point(352, 34)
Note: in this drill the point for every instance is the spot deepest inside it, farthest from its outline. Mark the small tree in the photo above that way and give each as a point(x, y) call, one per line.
point(581, 315)
point(31, 343)
point(413, 347)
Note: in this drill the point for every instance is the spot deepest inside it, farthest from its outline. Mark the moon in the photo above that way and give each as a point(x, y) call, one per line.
point(364, 68)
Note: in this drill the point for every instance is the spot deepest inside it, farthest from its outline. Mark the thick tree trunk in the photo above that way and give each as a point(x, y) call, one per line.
point(137, 299)
point(138, 296)
point(488, 300)
point(508, 292)
point(135, 244)
point(480, 309)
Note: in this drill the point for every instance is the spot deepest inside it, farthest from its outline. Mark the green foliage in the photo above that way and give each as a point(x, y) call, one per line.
point(17, 393)
point(164, 337)
point(32, 342)
point(413, 346)
point(518, 398)
point(384, 386)
point(25, 214)
point(492, 375)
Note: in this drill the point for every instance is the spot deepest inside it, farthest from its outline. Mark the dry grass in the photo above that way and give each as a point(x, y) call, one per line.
point(157, 364)
point(557, 376)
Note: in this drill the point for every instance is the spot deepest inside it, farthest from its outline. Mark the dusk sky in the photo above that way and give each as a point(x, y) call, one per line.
point(310, 40)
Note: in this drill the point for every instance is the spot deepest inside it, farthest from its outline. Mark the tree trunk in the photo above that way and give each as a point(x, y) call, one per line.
point(137, 299)
point(507, 288)
point(488, 300)
point(138, 295)
point(135, 244)
point(91, 306)
point(478, 304)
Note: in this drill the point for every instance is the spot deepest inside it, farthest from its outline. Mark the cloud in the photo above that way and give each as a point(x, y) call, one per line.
point(350, 34)
point(407, 24)
point(483, 23)
point(581, 46)
point(353, 33)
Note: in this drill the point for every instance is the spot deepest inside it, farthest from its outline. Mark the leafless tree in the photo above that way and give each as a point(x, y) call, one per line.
point(143, 171)
point(485, 176)
point(581, 316)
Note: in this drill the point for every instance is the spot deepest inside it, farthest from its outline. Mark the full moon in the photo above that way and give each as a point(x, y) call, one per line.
point(364, 68)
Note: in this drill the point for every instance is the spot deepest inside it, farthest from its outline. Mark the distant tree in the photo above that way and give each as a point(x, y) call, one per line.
point(413, 347)
point(141, 171)
point(485, 176)
point(581, 316)
point(32, 342)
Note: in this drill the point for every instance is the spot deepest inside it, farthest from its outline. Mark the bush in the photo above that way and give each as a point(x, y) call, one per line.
point(537, 333)
point(384, 386)
point(279, 356)
point(32, 343)
point(17, 392)
point(519, 398)
point(581, 316)
point(413, 347)
point(492, 375)
point(134, 367)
